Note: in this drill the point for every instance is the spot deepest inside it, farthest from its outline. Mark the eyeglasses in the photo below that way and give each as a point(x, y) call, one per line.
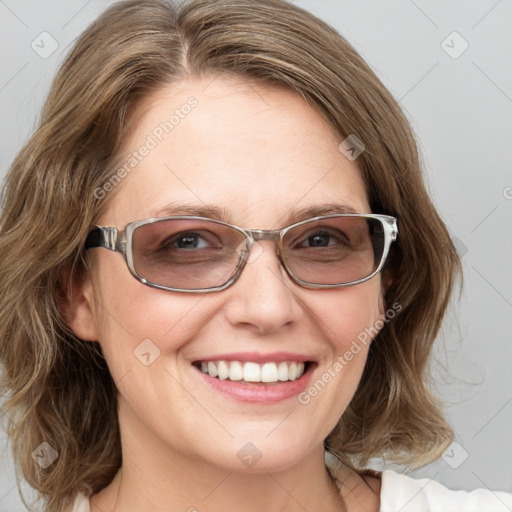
point(197, 254)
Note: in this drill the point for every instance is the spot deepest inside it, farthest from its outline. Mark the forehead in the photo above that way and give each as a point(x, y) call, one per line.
point(254, 152)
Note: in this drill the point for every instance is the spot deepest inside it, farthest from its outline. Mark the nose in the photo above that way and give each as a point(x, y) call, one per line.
point(263, 299)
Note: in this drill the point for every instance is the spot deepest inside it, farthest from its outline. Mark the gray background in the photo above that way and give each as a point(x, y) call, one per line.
point(460, 107)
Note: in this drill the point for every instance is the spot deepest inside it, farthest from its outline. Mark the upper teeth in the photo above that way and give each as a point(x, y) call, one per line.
point(253, 372)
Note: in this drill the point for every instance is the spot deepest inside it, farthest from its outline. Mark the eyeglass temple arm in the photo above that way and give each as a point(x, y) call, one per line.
point(104, 237)
point(393, 228)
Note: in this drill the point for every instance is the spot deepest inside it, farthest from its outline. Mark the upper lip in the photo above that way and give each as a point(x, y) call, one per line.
point(257, 357)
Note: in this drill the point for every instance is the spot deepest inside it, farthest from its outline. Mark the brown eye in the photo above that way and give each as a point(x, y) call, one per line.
point(321, 239)
point(186, 241)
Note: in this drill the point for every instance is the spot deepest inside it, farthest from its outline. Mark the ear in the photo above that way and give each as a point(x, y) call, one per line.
point(76, 303)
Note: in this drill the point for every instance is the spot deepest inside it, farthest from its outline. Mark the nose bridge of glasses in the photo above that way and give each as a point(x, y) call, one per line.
point(258, 235)
point(264, 234)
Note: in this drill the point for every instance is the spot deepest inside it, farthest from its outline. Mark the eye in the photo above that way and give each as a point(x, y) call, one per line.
point(319, 240)
point(187, 247)
point(323, 239)
point(189, 240)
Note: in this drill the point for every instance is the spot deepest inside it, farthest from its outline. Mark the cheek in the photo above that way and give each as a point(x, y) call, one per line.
point(350, 316)
point(135, 322)
point(348, 320)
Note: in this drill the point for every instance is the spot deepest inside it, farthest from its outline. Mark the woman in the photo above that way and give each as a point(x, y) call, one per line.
point(281, 274)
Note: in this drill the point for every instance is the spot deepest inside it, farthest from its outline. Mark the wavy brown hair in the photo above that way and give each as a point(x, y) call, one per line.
point(57, 387)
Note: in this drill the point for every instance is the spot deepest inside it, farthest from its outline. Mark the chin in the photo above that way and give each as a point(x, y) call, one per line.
point(258, 452)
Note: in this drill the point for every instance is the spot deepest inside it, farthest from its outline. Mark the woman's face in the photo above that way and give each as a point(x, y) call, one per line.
point(259, 155)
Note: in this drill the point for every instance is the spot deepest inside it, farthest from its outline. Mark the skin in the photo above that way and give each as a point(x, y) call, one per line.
point(239, 149)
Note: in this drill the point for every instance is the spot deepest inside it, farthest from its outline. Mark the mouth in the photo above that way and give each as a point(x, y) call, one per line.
point(256, 378)
point(252, 372)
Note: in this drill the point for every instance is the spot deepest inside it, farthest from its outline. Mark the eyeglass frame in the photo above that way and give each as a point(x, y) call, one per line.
point(111, 238)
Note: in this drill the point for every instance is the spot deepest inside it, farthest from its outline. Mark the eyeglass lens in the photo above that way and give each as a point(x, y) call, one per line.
point(194, 254)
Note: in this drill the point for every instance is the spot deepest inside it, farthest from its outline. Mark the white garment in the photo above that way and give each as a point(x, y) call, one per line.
point(405, 494)
point(81, 504)
point(400, 493)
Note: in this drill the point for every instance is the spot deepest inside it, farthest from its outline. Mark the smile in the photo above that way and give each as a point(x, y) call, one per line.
point(253, 377)
point(249, 371)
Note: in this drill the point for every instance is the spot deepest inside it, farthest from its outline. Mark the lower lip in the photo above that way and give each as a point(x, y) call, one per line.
point(258, 392)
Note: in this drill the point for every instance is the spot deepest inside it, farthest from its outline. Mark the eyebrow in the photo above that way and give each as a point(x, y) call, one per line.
point(218, 213)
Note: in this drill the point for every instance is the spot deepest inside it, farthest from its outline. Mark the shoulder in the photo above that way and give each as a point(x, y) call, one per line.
point(400, 492)
point(80, 504)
